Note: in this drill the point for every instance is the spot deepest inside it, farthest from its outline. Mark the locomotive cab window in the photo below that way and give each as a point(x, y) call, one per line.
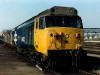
point(63, 21)
point(41, 23)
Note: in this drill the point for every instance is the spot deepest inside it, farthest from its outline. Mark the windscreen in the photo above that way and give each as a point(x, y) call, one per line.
point(63, 21)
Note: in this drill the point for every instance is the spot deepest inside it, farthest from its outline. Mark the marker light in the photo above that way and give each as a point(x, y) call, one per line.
point(78, 35)
point(66, 35)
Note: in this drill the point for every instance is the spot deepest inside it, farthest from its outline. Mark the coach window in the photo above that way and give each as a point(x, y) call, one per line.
point(41, 23)
point(36, 23)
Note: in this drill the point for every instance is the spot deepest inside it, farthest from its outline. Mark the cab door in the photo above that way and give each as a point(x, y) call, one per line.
point(36, 33)
point(42, 35)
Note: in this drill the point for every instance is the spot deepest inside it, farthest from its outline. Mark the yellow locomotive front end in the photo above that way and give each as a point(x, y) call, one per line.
point(59, 36)
point(60, 33)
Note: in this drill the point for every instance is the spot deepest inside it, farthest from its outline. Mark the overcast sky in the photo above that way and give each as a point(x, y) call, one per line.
point(14, 12)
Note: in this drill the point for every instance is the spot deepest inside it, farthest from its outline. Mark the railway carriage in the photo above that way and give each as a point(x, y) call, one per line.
point(55, 36)
point(7, 37)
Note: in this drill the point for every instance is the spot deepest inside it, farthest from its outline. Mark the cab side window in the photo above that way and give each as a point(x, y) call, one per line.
point(41, 23)
point(36, 23)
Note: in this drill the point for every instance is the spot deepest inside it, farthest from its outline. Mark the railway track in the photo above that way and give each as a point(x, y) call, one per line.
point(94, 52)
point(92, 47)
point(85, 73)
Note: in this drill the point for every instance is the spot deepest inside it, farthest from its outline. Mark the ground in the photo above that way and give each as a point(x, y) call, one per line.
point(13, 64)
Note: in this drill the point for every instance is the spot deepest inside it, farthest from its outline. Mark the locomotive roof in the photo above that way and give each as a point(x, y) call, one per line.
point(56, 10)
point(25, 22)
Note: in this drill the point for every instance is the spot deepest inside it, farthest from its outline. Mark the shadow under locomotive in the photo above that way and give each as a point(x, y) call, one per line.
point(91, 63)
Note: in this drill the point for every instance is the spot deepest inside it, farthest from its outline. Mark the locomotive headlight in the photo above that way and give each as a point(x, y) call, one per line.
point(66, 35)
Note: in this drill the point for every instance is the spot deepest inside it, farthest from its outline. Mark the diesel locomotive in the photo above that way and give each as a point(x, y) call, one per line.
point(51, 38)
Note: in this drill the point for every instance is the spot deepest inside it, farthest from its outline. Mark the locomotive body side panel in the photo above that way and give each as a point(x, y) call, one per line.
point(23, 35)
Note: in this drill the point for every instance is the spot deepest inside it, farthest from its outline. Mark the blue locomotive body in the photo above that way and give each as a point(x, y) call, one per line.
point(24, 35)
